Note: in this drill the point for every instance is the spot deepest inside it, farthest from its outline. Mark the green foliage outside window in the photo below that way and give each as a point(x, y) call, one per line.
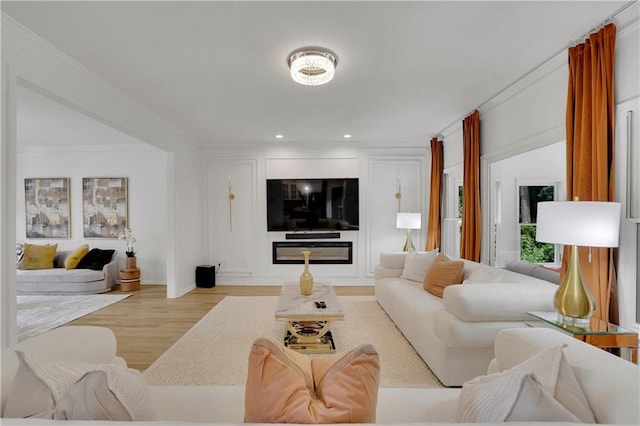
point(533, 251)
point(530, 249)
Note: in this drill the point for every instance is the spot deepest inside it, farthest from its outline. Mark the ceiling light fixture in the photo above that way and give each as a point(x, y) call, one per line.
point(347, 136)
point(279, 136)
point(312, 66)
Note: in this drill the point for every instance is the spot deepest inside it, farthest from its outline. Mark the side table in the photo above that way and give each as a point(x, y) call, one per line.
point(130, 276)
point(599, 333)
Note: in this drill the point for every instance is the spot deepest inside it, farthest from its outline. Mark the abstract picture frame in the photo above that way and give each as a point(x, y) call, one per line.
point(105, 206)
point(47, 207)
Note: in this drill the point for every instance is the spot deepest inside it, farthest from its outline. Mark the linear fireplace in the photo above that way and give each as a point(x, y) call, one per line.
point(323, 252)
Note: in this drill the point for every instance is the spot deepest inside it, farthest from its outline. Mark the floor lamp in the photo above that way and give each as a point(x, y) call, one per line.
point(408, 221)
point(577, 223)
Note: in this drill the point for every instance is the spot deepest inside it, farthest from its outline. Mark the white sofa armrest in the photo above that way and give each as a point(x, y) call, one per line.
point(497, 301)
point(393, 260)
point(110, 270)
point(391, 265)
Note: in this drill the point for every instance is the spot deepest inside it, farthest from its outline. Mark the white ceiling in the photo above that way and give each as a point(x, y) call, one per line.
point(217, 70)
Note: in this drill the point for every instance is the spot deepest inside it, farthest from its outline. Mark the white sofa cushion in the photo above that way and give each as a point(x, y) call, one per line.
point(498, 301)
point(59, 275)
point(457, 333)
point(485, 275)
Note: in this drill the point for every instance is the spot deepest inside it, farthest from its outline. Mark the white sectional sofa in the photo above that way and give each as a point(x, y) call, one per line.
point(58, 280)
point(455, 334)
point(610, 384)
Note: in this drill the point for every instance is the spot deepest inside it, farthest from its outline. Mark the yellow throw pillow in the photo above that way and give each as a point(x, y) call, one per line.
point(38, 257)
point(284, 386)
point(443, 273)
point(75, 256)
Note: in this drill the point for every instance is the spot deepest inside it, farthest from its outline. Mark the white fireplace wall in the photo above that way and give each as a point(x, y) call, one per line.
point(238, 239)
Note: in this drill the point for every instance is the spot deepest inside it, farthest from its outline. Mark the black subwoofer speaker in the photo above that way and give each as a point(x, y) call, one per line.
point(205, 276)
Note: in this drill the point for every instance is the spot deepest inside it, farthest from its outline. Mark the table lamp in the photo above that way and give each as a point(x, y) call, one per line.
point(408, 221)
point(577, 223)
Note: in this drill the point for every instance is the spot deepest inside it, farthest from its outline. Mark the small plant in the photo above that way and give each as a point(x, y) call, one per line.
point(128, 237)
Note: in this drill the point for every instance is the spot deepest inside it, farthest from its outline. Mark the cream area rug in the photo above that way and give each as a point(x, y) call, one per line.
point(215, 351)
point(37, 314)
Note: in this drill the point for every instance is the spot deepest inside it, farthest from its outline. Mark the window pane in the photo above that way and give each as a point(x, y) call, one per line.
point(460, 192)
point(533, 251)
point(529, 197)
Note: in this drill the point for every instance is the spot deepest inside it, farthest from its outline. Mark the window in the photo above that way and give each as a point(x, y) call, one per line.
point(529, 249)
point(452, 206)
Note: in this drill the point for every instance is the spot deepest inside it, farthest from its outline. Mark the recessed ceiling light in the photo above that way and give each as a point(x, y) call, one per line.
point(347, 136)
point(279, 136)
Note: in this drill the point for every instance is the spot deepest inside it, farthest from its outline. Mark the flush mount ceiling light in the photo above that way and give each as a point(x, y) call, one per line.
point(312, 66)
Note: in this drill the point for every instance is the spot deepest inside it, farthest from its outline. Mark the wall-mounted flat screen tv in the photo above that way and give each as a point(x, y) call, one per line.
point(312, 204)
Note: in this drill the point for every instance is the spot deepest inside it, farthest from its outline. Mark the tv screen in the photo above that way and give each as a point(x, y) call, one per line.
point(312, 204)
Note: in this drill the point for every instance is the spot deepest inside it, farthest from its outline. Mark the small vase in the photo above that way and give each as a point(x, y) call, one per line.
point(130, 262)
point(306, 279)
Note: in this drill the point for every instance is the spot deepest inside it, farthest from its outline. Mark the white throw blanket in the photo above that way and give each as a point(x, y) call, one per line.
point(542, 388)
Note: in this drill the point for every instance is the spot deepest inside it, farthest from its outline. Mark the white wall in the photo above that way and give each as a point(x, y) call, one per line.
point(186, 224)
point(145, 168)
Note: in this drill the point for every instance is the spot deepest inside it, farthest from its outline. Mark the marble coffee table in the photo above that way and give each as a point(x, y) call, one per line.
point(309, 327)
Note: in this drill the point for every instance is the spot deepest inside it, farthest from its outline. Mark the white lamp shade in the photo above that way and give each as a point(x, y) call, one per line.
point(579, 223)
point(409, 221)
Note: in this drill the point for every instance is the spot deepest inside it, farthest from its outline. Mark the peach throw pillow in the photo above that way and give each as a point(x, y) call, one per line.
point(443, 273)
point(284, 386)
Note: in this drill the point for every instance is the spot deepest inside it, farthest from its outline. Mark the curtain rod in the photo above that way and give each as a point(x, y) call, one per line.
point(549, 58)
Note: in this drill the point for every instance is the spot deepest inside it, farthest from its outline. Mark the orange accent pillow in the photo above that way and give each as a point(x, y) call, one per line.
point(443, 273)
point(284, 386)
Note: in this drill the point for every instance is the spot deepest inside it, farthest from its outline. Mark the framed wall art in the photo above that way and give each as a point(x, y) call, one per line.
point(47, 207)
point(105, 204)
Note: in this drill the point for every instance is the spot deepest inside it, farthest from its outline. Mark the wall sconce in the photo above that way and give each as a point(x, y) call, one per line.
point(231, 197)
point(408, 221)
point(399, 192)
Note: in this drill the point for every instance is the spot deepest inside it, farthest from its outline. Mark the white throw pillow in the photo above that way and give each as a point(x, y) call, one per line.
point(541, 388)
point(554, 372)
point(39, 388)
point(416, 265)
point(109, 393)
point(514, 396)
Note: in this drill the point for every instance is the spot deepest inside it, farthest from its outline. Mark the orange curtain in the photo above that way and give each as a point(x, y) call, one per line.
point(471, 217)
point(435, 195)
point(590, 153)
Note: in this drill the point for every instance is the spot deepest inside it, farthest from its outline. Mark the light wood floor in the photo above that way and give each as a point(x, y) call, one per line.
point(146, 324)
